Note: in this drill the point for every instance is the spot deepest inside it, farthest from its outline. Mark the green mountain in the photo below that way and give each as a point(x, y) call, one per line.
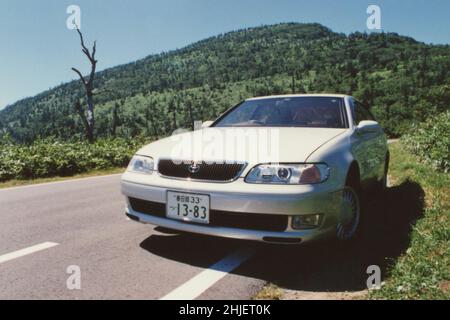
point(402, 80)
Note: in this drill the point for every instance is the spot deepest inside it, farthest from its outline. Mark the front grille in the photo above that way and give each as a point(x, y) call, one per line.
point(218, 218)
point(208, 171)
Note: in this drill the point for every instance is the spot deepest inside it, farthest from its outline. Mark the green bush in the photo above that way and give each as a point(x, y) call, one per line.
point(47, 158)
point(430, 141)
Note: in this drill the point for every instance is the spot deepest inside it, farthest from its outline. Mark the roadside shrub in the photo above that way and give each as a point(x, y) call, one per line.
point(47, 158)
point(430, 141)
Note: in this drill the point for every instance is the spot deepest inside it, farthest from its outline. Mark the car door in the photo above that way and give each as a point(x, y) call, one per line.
point(368, 147)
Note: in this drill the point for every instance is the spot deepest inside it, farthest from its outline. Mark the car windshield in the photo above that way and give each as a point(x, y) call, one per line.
point(314, 112)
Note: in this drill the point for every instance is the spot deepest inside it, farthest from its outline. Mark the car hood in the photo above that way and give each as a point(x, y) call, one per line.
point(250, 145)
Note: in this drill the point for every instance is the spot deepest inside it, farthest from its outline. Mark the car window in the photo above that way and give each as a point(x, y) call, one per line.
point(320, 112)
point(360, 113)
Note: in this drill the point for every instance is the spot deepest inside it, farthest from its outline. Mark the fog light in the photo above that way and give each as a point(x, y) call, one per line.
point(306, 221)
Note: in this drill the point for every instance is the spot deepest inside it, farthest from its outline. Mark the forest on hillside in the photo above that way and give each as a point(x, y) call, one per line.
point(403, 81)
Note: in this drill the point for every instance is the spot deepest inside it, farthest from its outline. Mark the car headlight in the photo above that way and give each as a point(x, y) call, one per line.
point(288, 173)
point(141, 164)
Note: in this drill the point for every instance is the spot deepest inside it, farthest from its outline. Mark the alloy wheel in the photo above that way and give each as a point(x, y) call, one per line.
point(350, 214)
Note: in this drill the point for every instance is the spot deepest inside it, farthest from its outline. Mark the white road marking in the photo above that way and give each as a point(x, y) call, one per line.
point(26, 251)
point(205, 279)
point(59, 182)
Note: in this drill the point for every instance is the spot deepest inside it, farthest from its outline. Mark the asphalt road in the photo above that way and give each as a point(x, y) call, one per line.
point(85, 224)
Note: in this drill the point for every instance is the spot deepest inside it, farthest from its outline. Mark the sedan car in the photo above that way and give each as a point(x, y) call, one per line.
point(280, 169)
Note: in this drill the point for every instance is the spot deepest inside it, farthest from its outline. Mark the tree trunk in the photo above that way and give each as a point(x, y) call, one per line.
point(89, 132)
point(90, 115)
point(89, 120)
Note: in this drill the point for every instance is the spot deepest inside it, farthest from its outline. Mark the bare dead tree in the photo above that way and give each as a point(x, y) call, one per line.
point(88, 84)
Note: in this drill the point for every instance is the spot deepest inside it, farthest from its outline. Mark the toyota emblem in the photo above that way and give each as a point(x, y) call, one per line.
point(194, 167)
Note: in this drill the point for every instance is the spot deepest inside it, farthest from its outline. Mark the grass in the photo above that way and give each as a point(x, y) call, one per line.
point(51, 158)
point(269, 292)
point(17, 183)
point(422, 271)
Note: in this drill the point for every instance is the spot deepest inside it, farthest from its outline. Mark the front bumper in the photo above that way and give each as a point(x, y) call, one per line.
point(240, 197)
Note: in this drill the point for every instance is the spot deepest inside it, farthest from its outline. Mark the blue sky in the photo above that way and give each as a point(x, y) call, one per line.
point(37, 50)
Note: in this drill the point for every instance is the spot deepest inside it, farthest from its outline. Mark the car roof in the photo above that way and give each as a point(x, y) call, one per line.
point(332, 95)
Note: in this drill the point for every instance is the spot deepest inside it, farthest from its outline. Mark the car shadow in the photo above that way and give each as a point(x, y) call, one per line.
point(322, 266)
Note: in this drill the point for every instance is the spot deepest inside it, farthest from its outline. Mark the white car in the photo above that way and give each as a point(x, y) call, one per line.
point(282, 169)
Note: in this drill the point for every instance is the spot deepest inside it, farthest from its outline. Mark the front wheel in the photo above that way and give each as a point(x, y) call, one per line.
point(350, 215)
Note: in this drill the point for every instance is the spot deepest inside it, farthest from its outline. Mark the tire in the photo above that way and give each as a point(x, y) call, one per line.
point(350, 219)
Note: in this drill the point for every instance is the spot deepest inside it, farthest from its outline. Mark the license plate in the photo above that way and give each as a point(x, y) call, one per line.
point(188, 207)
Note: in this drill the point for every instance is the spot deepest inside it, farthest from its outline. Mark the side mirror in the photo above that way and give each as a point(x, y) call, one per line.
point(368, 126)
point(206, 124)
